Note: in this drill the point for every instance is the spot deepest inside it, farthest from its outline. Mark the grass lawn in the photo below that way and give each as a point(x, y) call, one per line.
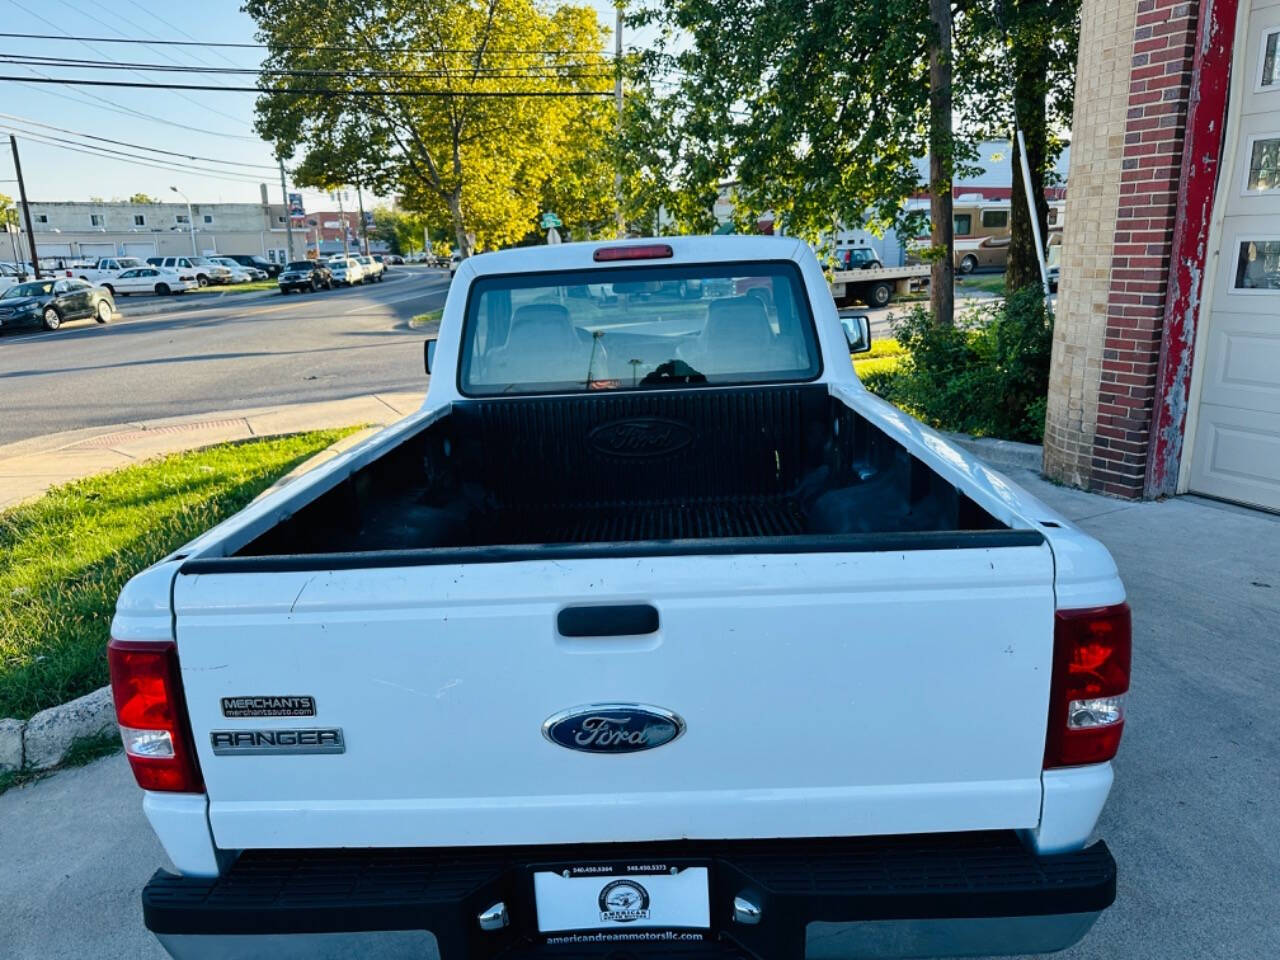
point(253, 286)
point(426, 319)
point(987, 282)
point(65, 556)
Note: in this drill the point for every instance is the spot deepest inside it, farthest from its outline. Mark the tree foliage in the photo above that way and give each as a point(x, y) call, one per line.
point(818, 110)
point(142, 198)
point(1016, 62)
point(463, 150)
point(815, 109)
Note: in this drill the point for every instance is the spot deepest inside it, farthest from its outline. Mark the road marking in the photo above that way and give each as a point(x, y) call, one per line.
point(417, 295)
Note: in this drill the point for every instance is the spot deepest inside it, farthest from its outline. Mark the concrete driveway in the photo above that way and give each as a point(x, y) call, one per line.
point(1193, 821)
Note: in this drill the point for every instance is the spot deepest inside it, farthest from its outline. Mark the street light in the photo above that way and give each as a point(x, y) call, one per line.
point(191, 221)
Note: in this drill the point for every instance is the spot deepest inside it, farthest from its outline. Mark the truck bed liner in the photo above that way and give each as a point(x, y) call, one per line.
point(766, 464)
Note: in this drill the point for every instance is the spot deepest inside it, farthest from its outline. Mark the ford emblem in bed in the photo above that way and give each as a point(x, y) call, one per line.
point(640, 437)
point(613, 728)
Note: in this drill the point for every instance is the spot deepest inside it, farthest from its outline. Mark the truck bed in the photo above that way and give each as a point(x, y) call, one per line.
point(785, 467)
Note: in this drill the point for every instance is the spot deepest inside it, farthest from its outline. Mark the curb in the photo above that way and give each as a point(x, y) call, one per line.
point(1001, 454)
point(41, 742)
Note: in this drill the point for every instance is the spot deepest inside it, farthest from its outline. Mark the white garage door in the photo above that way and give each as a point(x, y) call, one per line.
point(52, 249)
point(1236, 451)
point(97, 249)
point(141, 250)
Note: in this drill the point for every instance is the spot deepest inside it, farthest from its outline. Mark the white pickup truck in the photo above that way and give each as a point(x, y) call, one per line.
point(105, 269)
point(651, 634)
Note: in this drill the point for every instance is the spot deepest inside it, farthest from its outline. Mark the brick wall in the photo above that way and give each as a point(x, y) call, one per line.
point(1093, 196)
point(1159, 90)
point(1108, 450)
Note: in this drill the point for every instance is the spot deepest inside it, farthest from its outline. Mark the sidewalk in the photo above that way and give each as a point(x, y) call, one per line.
point(30, 467)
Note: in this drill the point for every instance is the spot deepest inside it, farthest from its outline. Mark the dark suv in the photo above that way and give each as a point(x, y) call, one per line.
point(249, 260)
point(306, 275)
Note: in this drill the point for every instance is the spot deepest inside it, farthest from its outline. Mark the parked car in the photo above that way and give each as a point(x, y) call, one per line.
point(347, 271)
point(206, 271)
point(634, 630)
point(373, 268)
point(11, 274)
point(237, 268)
point(858, 258)
point(157, 280)
point(104, 269)
point(239, 274)
point(272, 270)
point(394, 258)
point(306, 275)
point(52, 302)
point(455, 261)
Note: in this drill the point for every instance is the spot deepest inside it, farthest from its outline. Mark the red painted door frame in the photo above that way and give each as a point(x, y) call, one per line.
point(1201, 156)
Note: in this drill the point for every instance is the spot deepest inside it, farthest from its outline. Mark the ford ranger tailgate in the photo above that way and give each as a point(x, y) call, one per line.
point(827, 694)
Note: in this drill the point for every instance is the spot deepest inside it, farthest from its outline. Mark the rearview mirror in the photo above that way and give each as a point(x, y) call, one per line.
point(857, 331)
point(429, 354)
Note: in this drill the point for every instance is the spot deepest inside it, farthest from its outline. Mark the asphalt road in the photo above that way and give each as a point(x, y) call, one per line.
point(200, 359)
point(1193, 819)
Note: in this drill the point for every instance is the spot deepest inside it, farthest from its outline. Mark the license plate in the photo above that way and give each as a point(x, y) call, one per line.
point(622, 897)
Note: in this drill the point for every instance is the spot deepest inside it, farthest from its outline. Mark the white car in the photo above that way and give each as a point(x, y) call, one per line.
point(636, 630)
point(157, 280)
point(373, 269)
point(239, 272)
point(207, 272)
point(10, 275)
point(105, 269)
point(347, 271)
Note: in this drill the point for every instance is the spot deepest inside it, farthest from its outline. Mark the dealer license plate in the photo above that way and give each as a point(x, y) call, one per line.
point(623, 897)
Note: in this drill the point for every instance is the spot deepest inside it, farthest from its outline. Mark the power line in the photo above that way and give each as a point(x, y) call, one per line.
point(318, 91)
point(83, 42)
point(136, 146)
point(305, 46)
point(531, 72)
point(93, 152)
point(71, 6)
point(98, 103)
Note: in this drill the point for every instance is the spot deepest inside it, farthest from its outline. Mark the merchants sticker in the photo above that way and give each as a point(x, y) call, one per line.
point(290, 706)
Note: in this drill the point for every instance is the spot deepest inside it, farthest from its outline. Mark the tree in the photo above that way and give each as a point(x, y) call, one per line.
point(1018, 61)
point(142, 198)
point(942, 292)
point(816, 112)
point(504, 112)
point(401, 230)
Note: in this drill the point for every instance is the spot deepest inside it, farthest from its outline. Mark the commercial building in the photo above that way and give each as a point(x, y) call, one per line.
point(121, 228)
point(1166, 356)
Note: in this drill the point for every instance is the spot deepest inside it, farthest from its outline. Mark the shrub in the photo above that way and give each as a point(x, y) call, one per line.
point(987, 375)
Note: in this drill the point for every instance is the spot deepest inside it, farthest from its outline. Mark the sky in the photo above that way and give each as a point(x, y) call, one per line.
point(216, 126)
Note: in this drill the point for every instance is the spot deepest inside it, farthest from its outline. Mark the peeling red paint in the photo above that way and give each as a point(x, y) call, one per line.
point(1206, 116)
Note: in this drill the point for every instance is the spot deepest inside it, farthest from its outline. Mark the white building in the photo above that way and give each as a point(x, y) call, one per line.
point(78, 229)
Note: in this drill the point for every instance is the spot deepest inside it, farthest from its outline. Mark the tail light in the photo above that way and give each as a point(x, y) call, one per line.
point(1092, 650)
point(647, 251)
point(152, 715)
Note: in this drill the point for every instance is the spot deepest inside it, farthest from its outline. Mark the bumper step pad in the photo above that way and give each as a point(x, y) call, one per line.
point(795, 881)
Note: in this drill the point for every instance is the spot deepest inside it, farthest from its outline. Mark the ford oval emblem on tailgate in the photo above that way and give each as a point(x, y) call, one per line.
point(613, 728)
point(640, 437)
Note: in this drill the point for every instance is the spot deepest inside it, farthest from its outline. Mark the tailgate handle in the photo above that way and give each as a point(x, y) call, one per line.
point(608, 620)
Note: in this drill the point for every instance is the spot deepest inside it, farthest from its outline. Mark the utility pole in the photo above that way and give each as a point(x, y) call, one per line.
point(191, 221)
point(288, 213)
point(617, 98)
point(26, 207)
point(364, 228)
point(342, 219)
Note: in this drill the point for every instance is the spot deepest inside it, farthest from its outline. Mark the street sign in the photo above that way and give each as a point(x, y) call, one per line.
point(550, 220)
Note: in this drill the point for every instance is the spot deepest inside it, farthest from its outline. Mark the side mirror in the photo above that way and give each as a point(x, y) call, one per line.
point(857, 331)
point(429, 354)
